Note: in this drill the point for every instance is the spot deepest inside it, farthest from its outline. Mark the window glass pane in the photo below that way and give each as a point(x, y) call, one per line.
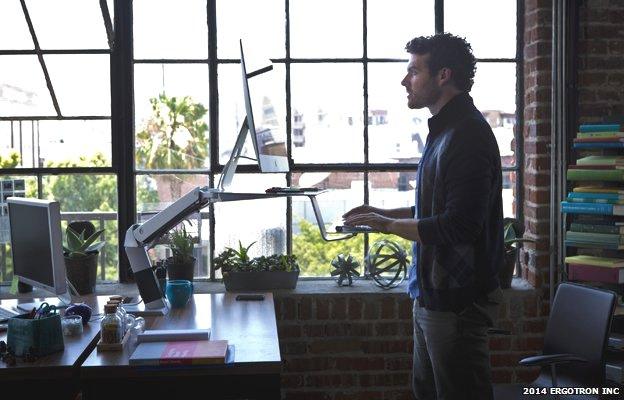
point(267, 93)
point(14, 29)
point(91, 198)
point(69, 17)
point(313, 253)
point(55, 143)
point(261, 221)
point(81, 83)
point(170, 29)
point(157, 192)
point(395, 132)
point(11, 186)
point(325, 28)
point(494, 94)
point(409, 19)
point(327, 102)
point(509, 194)
point(491, 32)
point(185, 89)
point(259, 23)
point(23, 89)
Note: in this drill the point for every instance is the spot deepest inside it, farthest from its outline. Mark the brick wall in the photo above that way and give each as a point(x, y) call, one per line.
point(601, 60)
point(359, 345)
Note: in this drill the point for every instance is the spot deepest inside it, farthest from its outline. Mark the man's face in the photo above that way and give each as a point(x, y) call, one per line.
point(423, 89)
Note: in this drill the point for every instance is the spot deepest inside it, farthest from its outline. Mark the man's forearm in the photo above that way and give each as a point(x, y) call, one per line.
point(397, 213)
point(406, 228)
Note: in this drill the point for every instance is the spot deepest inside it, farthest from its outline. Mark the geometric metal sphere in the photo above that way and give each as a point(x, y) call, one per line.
point(386, 263)
point(344, 269)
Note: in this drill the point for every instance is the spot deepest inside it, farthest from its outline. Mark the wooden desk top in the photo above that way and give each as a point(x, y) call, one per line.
point(248, 325)
point(58, 364)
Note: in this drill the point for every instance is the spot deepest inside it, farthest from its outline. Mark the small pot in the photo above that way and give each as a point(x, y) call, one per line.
point(184, 271)
point(82, 272)
point(505, 275)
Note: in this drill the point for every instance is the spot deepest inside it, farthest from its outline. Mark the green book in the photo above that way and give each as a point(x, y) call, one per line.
point(597, 261)
point(601, 160)
point(594, 237)
point(594, 228)
point(603, 201)
point(595, 175)
point(581, 135)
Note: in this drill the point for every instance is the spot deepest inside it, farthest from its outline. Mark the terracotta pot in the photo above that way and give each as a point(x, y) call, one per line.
point(505, 275)
point(180, 271)
point(82, 272)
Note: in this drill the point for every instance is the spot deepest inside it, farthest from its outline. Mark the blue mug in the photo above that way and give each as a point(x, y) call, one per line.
point(179, 292)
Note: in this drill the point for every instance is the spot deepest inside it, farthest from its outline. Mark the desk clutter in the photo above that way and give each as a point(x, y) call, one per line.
point(36, 333)
point(117, 326)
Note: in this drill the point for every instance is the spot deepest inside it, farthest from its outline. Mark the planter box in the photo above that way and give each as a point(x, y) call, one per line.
point(262, 280)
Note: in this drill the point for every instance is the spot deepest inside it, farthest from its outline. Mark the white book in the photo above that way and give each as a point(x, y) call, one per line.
point(171, 335)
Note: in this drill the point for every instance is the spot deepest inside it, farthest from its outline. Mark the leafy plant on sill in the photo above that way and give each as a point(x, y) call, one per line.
point(512, 231)
point(232, 260)
point(78, 247)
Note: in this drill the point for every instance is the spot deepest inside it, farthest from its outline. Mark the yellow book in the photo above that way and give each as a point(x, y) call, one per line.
point(597, 261)
point(598, 189)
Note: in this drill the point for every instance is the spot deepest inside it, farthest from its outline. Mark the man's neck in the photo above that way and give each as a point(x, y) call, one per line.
point(445, 97)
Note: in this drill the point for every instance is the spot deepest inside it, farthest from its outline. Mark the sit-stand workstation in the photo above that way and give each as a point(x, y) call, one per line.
point(140, 236)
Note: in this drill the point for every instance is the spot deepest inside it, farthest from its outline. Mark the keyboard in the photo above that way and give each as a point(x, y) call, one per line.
point(5, 314)
point(292, 189)
point(353, 229)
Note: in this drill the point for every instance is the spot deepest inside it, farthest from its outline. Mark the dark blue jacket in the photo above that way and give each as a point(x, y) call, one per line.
point(460, 209)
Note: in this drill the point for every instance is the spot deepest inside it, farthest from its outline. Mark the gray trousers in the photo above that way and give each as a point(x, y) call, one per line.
point(451, 353)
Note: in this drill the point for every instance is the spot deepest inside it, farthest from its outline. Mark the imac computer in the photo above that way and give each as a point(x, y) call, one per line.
point(270, 154)
point(37, 246)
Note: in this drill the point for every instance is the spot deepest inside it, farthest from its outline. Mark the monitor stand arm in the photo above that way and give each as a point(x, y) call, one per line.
point(139, 236)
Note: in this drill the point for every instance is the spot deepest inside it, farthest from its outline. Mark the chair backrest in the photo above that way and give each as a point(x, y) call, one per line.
point(579, 324)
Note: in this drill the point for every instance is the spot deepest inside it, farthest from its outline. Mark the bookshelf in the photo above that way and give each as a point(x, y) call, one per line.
point(594, 220)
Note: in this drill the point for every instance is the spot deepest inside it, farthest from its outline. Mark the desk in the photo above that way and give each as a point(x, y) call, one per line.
point(54, 375)
point(248, 325)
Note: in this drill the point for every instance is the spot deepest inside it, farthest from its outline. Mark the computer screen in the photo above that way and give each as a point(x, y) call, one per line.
point(269, 145)
point(36, 243)
point(268, 140)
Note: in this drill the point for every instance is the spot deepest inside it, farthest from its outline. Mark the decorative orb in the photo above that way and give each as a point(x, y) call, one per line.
point(344, 269)
point(386, 263)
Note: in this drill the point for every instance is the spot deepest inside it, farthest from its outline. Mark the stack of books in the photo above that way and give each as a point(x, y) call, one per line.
point(595, 269)
point(599, 136)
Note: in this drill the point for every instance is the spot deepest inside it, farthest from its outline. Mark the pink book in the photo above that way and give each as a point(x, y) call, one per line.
point(180, 353)
point(592, 273)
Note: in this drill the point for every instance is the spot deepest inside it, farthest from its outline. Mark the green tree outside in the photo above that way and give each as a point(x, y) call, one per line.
point(315, 254)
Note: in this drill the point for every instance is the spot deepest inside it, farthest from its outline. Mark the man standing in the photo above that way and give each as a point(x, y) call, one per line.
point(456, 225)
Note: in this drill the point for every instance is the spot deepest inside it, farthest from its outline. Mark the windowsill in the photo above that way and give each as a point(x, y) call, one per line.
point(519, 287)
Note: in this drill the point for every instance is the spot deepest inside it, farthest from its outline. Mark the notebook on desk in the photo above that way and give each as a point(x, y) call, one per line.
point(195, 352)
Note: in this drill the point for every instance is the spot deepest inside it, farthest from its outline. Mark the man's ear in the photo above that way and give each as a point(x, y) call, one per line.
point(445, 76)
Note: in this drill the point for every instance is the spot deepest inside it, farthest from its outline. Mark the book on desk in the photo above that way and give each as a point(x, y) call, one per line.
point(189, 352)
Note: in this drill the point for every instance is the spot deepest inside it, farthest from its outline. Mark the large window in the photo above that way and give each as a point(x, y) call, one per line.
point(334, 92)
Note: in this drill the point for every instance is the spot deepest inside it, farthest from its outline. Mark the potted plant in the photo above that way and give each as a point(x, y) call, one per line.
point(81, 255)
point(181, 265)
point(240, 272)
point(513, 232)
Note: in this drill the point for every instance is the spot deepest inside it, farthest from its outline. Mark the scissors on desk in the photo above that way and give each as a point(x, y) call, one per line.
point(45, 309)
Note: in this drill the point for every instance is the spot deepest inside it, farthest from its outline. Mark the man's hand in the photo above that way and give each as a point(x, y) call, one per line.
point(363, 209)
point(374, 220)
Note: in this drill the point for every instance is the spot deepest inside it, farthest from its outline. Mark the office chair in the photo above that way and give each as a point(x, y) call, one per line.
point(575, 342)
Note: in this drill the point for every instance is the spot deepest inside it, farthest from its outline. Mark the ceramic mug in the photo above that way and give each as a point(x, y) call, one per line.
point(178, 292)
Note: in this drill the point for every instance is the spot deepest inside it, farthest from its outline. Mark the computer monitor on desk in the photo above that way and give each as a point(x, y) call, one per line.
point(271, 155)
point(37, 246)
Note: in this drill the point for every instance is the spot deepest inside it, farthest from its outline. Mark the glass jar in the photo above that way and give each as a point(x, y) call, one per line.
point(111, 325)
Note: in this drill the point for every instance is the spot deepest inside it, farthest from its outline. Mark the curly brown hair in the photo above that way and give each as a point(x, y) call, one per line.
point(448, 51)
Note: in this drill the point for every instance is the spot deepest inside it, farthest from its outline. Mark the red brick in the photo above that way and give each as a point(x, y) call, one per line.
point(288, 308)
point(530, 307)
point(339, 308)
point(314, 330)
point(385, 379)
point(386, 329)
point(372, 308)
point(534, 326)
point(360, 363)
point(590, 78)
point(304, 308)
point(307, 364)
point(388, 309)
point(334, 346)
point(288, 331)
point(386, 346)
point(291, 380)
point(541, 211)
point(545, 309)
point(535, 343)
point(307, 395)
point(322, 308)
point(404, 394)
point(341, 380)
point(503, 360)
point(405, 308)
point(500, 343)
point(293, 348)
point(355, 308)
point(359, 394)
point(399, 363)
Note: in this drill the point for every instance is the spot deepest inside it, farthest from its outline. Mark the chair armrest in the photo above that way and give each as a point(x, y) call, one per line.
point(549, 359)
